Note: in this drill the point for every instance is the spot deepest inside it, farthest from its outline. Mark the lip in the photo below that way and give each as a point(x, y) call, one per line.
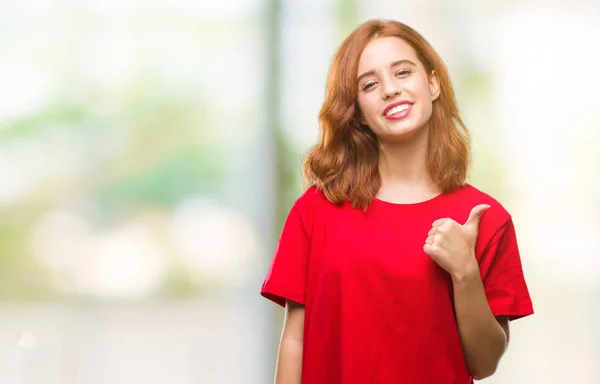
point(394, 105)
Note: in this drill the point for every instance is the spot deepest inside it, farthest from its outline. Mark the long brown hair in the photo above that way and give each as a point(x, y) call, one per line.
point(344, 164)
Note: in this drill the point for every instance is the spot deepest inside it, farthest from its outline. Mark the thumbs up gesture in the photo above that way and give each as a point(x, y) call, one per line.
point(452, 245)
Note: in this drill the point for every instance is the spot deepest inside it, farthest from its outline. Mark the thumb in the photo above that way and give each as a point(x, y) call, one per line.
point(475, 215)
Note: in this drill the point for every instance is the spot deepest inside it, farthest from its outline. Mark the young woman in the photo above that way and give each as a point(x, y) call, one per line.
point(391, 268)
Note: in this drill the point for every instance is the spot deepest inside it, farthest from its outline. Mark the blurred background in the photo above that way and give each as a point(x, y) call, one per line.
point(150, 150)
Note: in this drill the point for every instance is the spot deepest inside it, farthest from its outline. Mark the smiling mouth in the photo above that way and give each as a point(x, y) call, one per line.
point(399, 112)
point(398, 109)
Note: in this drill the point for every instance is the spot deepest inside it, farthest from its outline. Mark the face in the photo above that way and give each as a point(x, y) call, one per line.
point(395, 93)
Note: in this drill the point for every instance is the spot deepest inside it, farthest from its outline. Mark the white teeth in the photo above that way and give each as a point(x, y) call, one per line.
point(397, 109)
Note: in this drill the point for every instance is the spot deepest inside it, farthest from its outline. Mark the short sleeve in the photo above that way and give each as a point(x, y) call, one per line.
point(502, 275)
point(286, 278)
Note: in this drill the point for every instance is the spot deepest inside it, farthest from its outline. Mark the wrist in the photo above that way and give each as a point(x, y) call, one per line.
point(468, 273)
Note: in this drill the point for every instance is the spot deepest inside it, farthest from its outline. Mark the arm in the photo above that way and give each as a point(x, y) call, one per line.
point(289, 359)
point(484, 338)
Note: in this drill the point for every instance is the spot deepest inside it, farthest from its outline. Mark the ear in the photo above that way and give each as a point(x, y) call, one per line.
point(434, 86)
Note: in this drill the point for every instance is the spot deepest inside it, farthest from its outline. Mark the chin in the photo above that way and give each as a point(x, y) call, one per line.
point(395, 135)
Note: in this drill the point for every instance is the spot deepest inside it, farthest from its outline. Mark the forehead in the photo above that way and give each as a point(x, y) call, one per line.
point(383, 51)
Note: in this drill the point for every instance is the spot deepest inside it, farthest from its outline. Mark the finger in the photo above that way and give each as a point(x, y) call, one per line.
point(475, 215)
point(428, 249)
point(440, 222)
point(433, 231)
point(431, 249)
point(430, 240)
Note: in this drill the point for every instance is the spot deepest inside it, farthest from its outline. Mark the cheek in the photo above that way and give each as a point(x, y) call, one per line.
point(425, 98)
point(367, 108)
point(368, 104)
point(427, 108)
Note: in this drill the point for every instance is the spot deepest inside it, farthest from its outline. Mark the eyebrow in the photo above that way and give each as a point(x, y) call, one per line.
point(395, 63)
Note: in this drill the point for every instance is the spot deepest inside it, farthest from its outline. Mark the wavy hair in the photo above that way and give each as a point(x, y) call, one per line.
point(344, 164)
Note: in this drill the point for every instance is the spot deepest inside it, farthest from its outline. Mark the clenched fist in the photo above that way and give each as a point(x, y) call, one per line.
point(452, 245)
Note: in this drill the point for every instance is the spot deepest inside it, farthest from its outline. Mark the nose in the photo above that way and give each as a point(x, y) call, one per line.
point(390, 90)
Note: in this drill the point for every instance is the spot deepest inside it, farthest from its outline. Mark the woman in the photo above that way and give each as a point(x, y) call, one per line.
point(391, 268)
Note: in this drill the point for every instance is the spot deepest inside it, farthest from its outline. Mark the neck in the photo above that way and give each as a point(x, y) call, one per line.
point(403, 169)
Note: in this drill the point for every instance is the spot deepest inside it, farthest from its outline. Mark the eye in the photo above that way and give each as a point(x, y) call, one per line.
point(368, 86)
point(403, 73)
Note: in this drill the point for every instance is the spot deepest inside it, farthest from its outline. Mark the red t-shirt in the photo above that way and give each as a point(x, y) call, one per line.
point(378, 309)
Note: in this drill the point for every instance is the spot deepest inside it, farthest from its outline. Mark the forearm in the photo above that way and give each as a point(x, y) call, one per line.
point(482, 337)
point(289, 362)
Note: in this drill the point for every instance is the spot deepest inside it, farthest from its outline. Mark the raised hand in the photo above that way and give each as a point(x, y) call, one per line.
point(452, 245)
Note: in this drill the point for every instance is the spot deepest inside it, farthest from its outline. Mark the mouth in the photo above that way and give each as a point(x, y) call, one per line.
point(398, 111)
